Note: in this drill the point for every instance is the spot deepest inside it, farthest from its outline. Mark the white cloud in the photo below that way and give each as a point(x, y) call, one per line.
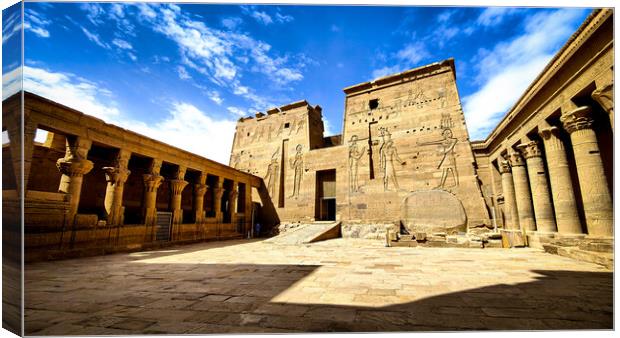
point(265, 18)
point(262, 17)
point(95, 38)
point(327, 128)
point(11, 82)
point(183, 75)
point(214, 96)
point(94, 13)
point(413, 53)
point(232, 22)
point(446, 15)
point(11, 26)
point(183, 125)
point(381, 72)
point(122, 44)
point(36, 23)
point(505, 72)
point(493, 16)
point(237, 111)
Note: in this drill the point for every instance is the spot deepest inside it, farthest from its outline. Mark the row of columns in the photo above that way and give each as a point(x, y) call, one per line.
point(74, 165)
point(530, 200)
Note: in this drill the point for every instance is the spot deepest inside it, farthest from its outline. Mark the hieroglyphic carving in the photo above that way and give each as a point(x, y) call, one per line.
point(300, 125)
point(442, 94)
point(354, 156)
point(387, 155)
point(272, 173)
point(447, 164)
point(416, 97)
point(297, 164)
point(236, 158)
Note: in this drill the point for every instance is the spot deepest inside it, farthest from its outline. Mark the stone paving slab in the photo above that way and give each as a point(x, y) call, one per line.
point(338, 285)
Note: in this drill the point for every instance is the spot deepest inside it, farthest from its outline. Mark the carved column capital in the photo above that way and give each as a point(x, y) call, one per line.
point(504, 167)
point(530, 149)
point(549, 132)
point(74, 167)
point(200, 189)
point(177, 186)
point(577, 119)
point(604, 95)
point(77, 148)
point(516, 160)
point(152, 182)
point(219, 192)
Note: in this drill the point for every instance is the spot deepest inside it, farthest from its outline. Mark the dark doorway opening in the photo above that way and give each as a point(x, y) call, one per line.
point(325, 206)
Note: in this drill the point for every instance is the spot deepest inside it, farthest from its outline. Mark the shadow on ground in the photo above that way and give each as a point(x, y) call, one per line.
point(178, 298)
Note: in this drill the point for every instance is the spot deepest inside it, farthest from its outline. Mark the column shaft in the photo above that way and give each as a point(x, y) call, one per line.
point(116, 176)
point(73, 168)
point(563, 195)
point(522, 193)
point(510, 205)
point(152, 181)
point(541, 198)
point(595, 193)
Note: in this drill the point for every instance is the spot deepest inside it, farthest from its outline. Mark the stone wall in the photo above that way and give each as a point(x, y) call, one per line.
point(403, 133)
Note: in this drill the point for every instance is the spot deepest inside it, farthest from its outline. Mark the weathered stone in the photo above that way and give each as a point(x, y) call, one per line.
point(433, 211)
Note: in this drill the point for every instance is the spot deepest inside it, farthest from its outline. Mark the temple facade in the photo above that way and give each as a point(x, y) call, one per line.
point(404, 160)
point(403, 164)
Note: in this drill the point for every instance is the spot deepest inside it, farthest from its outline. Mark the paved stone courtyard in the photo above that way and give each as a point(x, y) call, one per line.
point(337, 285)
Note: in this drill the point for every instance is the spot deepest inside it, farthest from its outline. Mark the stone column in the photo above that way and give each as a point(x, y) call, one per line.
point(564, 203)
point(176, 187)
point(604, 95)
point(511, 214)
point(14, 130)
point(217, 204)
point(116, 177)
point(73, 168)
point(152, 181)
point(543, 210)
point(595, 193)
point(200, 189)
point(232, 195)
point(522, 192)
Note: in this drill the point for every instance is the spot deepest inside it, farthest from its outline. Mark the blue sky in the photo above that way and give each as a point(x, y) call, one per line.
point(185, 73)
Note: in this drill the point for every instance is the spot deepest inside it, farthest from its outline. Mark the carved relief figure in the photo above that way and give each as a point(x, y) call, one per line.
point(442, 94)
point(235, 160)
point(354, 156)
point(300, 125)
point(448, 162)
point(272, 174)
point(297, 164)
point(387, 155)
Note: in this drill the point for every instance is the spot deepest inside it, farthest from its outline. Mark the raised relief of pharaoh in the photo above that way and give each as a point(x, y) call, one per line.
point(355, 154)
point(447, 164)
point(297, 164)
point(387, 155)
point(272, 174)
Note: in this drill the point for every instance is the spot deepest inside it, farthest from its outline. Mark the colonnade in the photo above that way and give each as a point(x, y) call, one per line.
point(545, 202)
point(74, 165)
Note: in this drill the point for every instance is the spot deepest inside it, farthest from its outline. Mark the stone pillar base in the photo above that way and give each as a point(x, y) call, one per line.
point(513, 238)
point(536, 239)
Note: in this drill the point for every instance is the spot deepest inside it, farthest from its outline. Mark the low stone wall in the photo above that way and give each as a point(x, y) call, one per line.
point(109, 239)
point(368, 231)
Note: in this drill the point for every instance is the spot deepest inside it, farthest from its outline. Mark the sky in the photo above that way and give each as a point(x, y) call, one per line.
point(185, 73)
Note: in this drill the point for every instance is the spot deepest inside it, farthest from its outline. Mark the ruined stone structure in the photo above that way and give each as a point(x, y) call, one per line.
point(404, 157)
point(403, 134)
point(548, 165)
point(404, 163)
point(94, 186)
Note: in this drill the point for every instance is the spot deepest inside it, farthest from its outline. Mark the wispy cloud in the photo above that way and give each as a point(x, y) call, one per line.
point(122, 44)
point(183, 124)
point(36, 23)
point(94, 37)
point(409, 56)
point(237, 111)
point(232, 22)
point(505, 72)
point(266, 16)
point(214, 96)
point(183, 75)
point(11, 26)
point(494, 16)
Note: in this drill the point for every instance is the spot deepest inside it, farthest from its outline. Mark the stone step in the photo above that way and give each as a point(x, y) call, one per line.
point(605, 259)
point(307, 233)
